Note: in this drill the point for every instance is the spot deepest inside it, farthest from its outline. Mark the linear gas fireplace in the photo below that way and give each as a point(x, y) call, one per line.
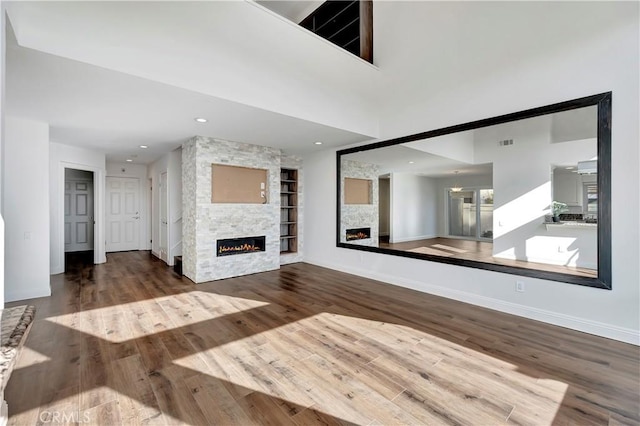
point(243, 245)
point(358, 234)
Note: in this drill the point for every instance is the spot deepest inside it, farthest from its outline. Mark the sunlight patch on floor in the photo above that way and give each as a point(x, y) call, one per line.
point(430, 250)
point(279, 362)
point(128, 321)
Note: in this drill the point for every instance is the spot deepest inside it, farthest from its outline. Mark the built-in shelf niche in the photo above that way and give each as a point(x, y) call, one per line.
point(288, 211)
point(235, 184)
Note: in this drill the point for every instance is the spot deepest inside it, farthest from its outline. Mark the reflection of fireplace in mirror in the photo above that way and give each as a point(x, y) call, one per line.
point(233, 246)
point(358, 234)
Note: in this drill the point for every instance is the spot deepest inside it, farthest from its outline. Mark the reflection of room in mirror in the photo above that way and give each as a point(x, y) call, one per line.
point(501, 197)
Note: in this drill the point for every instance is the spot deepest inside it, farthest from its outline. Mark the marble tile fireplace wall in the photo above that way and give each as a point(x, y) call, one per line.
point(360, 215)
point(205, 222)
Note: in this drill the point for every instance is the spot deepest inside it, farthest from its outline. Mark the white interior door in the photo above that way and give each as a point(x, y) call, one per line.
point(123, 214)
point(78, 215)
point(164, 218)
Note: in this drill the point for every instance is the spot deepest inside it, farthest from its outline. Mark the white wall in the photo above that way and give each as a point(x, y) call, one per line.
point(414, 209)
point(171, 163)
point(517, 56)
point(65, 156)
point(2, 97)
point(457, 146)
point(26, 205)
point(137, 171)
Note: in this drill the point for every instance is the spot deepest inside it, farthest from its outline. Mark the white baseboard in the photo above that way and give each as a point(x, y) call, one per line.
point(57, 269)
point(609, 331)
point(419, 237)
point(27, 294)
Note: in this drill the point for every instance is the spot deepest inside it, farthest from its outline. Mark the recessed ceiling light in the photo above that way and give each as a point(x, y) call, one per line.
point(317, 143)
point(144, 146)
point(129, 160)
point(570, 168)
point(411, 162)
point(201, 120)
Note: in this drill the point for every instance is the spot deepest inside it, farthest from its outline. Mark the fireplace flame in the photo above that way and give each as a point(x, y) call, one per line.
point(357, 236)
point(241, 247)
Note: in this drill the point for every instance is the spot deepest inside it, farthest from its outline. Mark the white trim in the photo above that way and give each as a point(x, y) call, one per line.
point(29, 294)
point(609, 331)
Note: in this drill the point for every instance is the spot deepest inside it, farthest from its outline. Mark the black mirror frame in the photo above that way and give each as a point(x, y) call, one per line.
point(603, 280)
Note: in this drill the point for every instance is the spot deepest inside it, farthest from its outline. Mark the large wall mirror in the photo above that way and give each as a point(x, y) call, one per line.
point(526, 193)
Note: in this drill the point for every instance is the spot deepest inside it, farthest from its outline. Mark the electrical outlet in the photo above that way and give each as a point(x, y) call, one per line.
point(520, 286)
point(262, 185)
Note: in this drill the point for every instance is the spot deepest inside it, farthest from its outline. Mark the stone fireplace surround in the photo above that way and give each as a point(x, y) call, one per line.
point(204, 222)
point(360, 215)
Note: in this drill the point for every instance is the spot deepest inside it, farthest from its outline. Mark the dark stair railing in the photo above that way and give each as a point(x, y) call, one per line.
point(347, 24)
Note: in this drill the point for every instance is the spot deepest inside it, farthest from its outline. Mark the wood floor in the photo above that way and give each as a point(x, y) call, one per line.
point(129, 342)
point(480, 251)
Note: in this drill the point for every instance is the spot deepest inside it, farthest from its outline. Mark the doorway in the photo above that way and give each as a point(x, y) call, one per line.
point(123, 214)
point(78, 211)
point(384, 208)
point(471, 213)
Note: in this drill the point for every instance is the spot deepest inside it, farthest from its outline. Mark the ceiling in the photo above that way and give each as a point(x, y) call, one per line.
point(115, 112)
point(404, 159)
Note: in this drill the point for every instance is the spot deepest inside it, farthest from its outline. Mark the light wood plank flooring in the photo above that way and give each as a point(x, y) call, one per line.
point(129, 342)
point(478, 250)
